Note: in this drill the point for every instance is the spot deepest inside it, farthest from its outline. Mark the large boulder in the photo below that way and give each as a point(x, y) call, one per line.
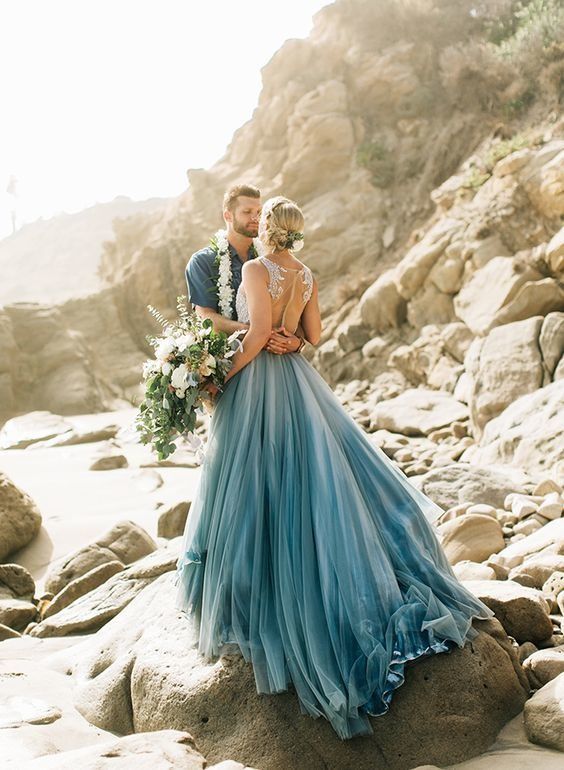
point(507, 365)
point(126, 542)
point(161, 750)
point(527, 434)
point(522, 611)
point(544, 665)
point(472, 537)
point(16, 582)
point(81, 586)
point(551, 341)
point(142, 672)
point(548, 539)
point(90, 611)
point(535, 571)
point(17, 613)
point(20, 432)
point(381, 305)
point(532, 298)
point(477, 305)
point(555, 252)
point(414, 268)
point(20, 520)
point(417, 412)
point(543, 179)
point(544, 715)
point(461, 483)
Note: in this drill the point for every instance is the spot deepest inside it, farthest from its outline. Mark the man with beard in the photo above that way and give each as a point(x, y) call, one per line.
point(241, 213)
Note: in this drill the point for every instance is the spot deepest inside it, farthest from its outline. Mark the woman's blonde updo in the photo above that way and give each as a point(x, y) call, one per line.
point(281, 224)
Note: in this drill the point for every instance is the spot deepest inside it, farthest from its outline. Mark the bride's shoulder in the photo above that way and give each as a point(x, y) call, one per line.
point(254, 268)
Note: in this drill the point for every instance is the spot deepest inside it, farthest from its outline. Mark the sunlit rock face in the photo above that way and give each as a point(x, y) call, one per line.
point(431, 224)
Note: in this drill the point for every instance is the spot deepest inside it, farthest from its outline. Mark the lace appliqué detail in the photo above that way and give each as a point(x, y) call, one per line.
point(308, 280)
point(275, 272)
point(241, 306)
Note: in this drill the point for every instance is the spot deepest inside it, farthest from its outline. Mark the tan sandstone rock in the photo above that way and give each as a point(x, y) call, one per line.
point(82, 585)
point(472, 537)
point(172, 519)
point(158, 750)
point(126, 541)
point(16, 582)
point(544, 715)
point(92, 610)
point(476, 305)
point(527, 434)
point(522, 611)
point(509, 366)
point(549, 538)
point(544, 665)
point(20, 520)
point(142, 669)
point(381, 305)
point(418, 412)
point(459, 483)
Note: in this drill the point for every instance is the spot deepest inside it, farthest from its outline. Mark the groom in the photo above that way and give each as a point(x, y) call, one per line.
point(241, 213)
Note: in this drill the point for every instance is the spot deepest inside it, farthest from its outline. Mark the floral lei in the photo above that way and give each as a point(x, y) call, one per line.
point(220, 245)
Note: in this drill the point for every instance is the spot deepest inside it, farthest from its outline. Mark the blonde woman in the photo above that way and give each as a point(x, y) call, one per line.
point(306, 549)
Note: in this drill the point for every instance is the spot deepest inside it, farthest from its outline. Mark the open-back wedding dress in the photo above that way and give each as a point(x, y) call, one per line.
point(306, 548)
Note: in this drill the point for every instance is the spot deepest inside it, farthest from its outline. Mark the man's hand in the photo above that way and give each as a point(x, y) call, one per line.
point(282, 341)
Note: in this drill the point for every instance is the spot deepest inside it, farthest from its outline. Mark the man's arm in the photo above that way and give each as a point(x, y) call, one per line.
point(220, 322)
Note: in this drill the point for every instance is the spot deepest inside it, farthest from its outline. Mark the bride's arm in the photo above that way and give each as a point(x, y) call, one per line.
point(311, 317)
point(255, 284)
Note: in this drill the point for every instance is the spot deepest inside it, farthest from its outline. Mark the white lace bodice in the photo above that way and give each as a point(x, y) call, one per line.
point(290, 290)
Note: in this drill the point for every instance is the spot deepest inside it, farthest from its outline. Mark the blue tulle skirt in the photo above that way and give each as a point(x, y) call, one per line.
point(308, 550)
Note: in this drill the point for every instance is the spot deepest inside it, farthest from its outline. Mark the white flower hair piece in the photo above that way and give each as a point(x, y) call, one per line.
point(295, 240)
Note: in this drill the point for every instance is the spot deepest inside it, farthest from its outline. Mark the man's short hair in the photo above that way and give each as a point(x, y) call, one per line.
point(231, 195)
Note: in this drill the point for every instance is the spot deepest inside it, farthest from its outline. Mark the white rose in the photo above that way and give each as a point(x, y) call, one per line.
point(149, 368)
point(184, 341)
point(165, 348)
point(178, 379)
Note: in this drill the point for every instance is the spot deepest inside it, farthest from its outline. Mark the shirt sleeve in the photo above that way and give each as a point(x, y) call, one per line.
point(201, 279)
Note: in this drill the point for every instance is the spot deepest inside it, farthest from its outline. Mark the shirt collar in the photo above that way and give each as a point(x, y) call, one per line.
point(235, 254)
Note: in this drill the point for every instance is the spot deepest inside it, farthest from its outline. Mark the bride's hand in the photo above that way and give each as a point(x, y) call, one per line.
point(212, 391)
point(282, 341)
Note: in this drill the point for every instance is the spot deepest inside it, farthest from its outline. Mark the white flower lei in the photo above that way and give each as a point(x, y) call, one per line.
point(223, 258)
point(220, 245)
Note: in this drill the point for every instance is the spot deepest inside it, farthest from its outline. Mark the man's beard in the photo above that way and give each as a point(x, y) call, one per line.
point(239, 228)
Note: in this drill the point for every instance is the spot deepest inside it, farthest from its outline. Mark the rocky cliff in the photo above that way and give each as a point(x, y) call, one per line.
point(425, 144)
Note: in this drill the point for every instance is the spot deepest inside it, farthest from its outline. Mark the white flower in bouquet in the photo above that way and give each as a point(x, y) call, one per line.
point(165, 348)
point(178, 378)
point(184, 341)
point(189, 356)
point(150, 368)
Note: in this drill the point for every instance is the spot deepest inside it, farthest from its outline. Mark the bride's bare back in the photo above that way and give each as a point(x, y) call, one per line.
point(290, 290)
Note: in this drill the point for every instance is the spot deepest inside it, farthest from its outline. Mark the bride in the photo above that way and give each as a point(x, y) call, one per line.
point(306, 549)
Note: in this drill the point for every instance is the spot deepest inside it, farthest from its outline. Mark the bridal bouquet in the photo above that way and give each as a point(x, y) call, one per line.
point(189, 356)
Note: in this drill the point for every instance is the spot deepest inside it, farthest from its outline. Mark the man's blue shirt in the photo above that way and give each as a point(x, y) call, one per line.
point(202, 273)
